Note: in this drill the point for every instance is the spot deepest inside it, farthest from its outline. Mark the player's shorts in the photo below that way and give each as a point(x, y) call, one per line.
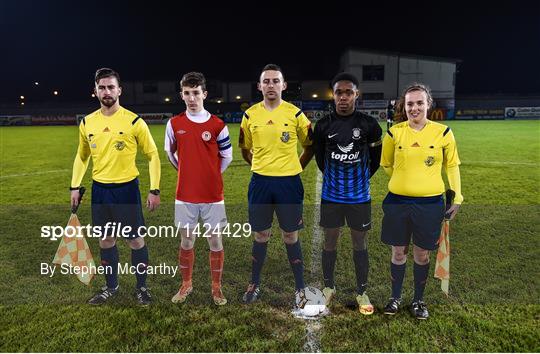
point(284, 195)
point(119, 203)
point(333, 215)
point(419, 217)
point(187, 214)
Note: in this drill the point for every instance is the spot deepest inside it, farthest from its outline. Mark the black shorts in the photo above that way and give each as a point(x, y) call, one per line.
point(118, 203)
point(333, 215)
point(419, 217)
point(284, 195)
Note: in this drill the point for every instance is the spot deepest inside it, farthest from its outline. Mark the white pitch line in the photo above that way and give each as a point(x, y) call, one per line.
point(313, 327)
point(46, 172)
point(32, 173)
point(502, 163)
point(498, 163)
point(317, 234)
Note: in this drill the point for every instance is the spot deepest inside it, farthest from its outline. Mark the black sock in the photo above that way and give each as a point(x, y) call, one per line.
point(109, 259)
point(294, 253)
point(361, 266)
point(397, 273)
point(420, 279)
point(139, 259)
point(328, 265)
point(258, 254)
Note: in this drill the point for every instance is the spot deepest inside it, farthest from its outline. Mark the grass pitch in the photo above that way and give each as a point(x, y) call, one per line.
point(494, 289)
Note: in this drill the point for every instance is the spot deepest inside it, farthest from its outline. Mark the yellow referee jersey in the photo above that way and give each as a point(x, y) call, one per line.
point(273, 137)
point(414, 160)
point(112, 142)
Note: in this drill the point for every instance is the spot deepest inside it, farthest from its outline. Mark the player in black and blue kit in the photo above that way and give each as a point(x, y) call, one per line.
point(347, 147)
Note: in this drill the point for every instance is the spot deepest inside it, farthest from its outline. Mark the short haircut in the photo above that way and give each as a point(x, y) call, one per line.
point(345, 76)
point(106, 72)
point(193, 79)
point(274, 67)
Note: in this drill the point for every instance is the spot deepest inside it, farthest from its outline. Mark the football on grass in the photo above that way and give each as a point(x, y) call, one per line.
point(310, 301)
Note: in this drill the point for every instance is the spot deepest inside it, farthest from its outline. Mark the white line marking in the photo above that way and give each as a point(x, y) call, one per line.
point(498, 163)
point(313, 327)
point(32, 173)
point(501, 163)
point(316, 231)
point(45, 172)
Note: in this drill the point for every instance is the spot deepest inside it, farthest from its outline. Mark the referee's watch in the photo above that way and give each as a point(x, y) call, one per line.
point(74, 188)
point(154, 191)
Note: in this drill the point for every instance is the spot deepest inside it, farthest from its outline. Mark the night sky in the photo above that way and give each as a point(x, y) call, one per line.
point(61, 43)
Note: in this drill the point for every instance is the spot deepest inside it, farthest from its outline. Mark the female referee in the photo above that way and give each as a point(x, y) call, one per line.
point(413, 155)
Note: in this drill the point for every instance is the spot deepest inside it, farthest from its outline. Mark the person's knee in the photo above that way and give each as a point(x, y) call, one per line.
point(289, 237)
point(136, 243)
point(215, 243)
point(262, 236)
point(331, 237)
point(107, 242)
point(399, 255)
point(187, 242)
point(421, 256)
point(359, 240)
point(330, 245)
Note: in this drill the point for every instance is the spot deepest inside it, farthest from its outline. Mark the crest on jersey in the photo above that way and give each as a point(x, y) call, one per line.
point(120, 145)
point(206, 136)
point(356, 133)
point(285, 137)
point(429, 161)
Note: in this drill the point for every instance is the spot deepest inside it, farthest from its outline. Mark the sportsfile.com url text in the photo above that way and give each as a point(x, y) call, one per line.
point(113, 229)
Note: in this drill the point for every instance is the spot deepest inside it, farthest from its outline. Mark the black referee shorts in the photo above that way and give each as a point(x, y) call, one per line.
point(416, 217)
point(119, 203)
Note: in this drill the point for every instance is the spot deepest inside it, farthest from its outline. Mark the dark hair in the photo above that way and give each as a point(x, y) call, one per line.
point(274, 67)
point(193, 79)
point(345, 77)
point(400, 115)
point(106, 72)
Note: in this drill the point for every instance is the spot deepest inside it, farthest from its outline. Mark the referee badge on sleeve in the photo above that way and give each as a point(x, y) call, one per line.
point(285, 137)
point(429, 161)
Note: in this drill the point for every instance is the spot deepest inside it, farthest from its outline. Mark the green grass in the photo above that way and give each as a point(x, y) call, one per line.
point(493, 304)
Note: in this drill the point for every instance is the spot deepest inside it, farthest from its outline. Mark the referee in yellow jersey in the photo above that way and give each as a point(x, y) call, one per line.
point(269, 134)
point(111, 136)
point(413, 155)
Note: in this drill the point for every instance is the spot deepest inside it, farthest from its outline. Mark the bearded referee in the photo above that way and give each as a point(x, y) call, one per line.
point(111, 136)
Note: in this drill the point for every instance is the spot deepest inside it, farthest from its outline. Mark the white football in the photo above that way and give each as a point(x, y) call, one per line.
point(311, 301)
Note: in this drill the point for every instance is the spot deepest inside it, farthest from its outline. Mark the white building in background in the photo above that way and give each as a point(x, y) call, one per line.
point(384, 75)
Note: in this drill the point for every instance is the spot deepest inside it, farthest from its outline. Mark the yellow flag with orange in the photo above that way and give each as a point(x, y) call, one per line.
point(442, 265)
point(74, 250)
